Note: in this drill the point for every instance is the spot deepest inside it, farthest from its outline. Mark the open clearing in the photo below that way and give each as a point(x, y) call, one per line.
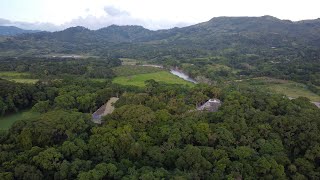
point(7, 121)
point(27, 81)
point(288, 88)
point(13, 74)
point(139, 79)
point(17, 77)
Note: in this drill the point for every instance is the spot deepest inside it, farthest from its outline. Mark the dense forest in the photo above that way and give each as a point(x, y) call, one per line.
point(55, 67)
point(15, 96)
point(156, 131)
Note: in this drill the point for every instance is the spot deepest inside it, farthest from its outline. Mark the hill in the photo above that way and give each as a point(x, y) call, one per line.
point(12, 31)
point(249, 46)
point(218, 33)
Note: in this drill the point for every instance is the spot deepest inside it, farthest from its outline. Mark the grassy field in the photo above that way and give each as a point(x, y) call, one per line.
point(138, 80)
point(129, 70)
point(7, 121)
point(27, 81)
point(17, 77)
point(13, 74)
point(288, 88)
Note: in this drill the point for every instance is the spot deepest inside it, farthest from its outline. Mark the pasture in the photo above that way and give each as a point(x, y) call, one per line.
point(139, 79)
point(288, 88)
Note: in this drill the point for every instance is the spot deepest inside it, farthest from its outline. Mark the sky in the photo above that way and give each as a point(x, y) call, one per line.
point(55, 15)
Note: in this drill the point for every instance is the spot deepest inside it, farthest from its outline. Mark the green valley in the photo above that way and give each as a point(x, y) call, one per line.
point(230, 98)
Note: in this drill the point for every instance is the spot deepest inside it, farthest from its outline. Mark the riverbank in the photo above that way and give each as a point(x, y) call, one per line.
point(181, 74)
point(175, 71)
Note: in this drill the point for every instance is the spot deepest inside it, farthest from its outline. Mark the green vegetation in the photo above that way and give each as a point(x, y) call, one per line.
point(20, 77)
point(155, 131)
point(14, 74)
point(15, 97)
point(139, 80)
point(130, 62)
point(28, 81)
point(7, 121)
point(46, 68)
point(129, 70)
point(288, 88)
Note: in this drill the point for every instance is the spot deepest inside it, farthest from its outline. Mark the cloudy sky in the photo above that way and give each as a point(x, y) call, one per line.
point(153, 14)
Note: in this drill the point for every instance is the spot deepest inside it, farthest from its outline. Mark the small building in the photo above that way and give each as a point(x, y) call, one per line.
point(317, 104)
point(97, 116)
point(212, 105)
point(105, 109)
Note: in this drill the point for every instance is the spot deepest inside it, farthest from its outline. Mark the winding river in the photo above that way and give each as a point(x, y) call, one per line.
point(176, 72)
point(182, 75)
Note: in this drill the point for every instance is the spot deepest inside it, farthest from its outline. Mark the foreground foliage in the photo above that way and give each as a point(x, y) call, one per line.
point(152, 134)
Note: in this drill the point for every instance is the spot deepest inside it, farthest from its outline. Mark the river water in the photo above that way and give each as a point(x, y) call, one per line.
point(176, 72)
point(182, 75)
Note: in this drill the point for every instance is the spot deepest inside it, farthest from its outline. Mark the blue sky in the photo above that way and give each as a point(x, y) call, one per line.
point(152, 14)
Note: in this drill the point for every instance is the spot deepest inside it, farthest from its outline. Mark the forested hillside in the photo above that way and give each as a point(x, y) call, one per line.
point(265, 71)
point(217, 34)
point(253, 46)
point(12, 31)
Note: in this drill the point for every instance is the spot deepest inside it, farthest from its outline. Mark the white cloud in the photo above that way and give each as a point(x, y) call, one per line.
point(112, 11)
point(121, 18)
point(112, 15)
point(30, 26)
point(4, 22)
point(153, 14)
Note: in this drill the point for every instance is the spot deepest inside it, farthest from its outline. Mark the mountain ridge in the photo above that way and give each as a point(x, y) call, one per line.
point(219, 33)
point(12, 31)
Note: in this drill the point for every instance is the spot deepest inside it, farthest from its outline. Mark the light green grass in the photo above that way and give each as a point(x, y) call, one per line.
point(288, 88)
point(294, 90)
point(138, 80)
point(13, 74)
point(17, 77)
point(27, 81)
point(7, 121)
point(129, 70)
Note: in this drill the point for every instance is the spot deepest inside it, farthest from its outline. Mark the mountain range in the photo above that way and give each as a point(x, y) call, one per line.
point(220, 33)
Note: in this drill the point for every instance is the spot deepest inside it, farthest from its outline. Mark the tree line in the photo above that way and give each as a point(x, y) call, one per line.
point(154, 133)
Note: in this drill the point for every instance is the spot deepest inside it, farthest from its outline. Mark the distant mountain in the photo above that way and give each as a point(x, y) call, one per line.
point(221, 34)
point(12, 31)
point(113, 33)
